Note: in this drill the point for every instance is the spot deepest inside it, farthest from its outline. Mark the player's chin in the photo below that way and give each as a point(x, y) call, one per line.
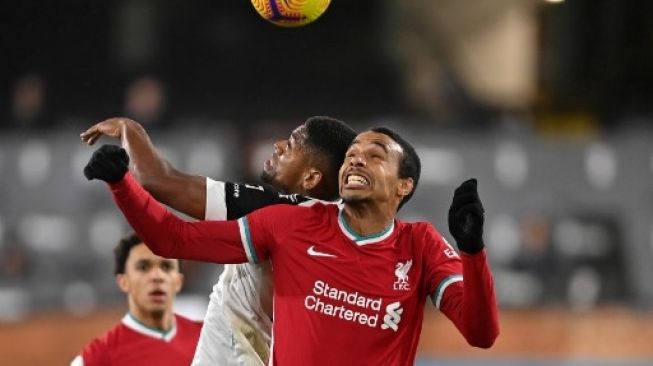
point(352, 197)
point(157, 306)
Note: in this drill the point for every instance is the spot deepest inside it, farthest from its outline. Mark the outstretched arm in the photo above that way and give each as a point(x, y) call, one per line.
point(163, 232)
point(183, 192)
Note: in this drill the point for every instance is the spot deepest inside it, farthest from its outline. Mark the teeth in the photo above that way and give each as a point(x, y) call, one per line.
point(356, 179)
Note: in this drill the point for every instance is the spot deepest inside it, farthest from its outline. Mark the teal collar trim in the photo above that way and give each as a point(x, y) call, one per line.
point(367, 239)
point(131, 322)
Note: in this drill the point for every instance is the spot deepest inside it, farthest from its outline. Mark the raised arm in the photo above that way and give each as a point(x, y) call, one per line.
point(181, 191)
point(163, 232)
point(469, 300)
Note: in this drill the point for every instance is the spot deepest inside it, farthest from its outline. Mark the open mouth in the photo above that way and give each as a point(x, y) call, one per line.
point(353, 180)
point(157, 295)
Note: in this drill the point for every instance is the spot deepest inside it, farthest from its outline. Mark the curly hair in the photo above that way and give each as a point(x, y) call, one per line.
point(329, 138)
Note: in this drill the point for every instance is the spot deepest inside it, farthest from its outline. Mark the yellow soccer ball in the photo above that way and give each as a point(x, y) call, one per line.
point(290, 13)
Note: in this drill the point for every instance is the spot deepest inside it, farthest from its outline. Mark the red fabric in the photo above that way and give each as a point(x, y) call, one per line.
point(168, 236)
point(471, 304)
point(380, 326)
point(123, 346)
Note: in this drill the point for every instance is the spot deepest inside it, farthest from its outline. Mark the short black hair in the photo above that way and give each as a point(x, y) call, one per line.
point(410, 165)
point(329, 138)
point(122, 250)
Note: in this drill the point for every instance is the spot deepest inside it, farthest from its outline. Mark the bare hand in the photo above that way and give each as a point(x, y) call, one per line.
point(111, 127)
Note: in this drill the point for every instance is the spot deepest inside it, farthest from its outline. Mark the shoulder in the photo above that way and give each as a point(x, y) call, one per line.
point(309, 207)
point(98, 350)
point(422, 232)
point(183, 322)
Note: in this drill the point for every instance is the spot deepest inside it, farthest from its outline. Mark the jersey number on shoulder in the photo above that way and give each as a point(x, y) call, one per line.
point(258, 188)
point(450, 252)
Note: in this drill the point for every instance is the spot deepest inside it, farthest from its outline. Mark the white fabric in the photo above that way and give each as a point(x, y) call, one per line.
point(237, 330)
point(77, 361)
point(216, 207)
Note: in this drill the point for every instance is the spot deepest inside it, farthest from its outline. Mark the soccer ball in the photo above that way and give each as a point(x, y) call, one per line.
point(291, 13)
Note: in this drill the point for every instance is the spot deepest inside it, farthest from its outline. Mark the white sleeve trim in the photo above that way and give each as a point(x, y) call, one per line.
point(78, 361)
point(246, 239)
point(216, 204)
point(439, 291)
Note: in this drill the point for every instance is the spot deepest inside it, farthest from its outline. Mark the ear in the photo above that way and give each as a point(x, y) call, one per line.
point(312, 177)
point(405, 187)
point(123, 282)
point(179, 283)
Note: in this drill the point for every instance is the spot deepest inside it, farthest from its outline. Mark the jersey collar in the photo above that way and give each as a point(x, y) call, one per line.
point(134, 324)
point(363, 240)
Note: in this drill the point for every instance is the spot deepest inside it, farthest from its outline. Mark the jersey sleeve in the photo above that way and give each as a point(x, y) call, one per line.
point(443, 265)
point(229, 201)
point(462, 287)
point(169, 236)
point(262, 230)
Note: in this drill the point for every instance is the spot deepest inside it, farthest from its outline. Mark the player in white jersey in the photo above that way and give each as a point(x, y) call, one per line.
point(237, 326)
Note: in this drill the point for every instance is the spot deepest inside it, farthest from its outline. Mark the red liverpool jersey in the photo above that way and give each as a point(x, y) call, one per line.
point(342, 299)
point(339, 298)
point(132, 343)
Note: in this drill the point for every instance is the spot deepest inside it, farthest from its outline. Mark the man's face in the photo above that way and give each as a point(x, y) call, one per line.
point(288, 163)
point(370, 170)
point(151, 282)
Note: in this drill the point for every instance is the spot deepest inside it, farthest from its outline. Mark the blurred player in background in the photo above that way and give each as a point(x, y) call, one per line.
point(238, 327)
point(350, 280)
point(150, 333)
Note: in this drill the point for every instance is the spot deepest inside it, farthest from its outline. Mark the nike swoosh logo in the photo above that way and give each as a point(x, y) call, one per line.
point(312, 252)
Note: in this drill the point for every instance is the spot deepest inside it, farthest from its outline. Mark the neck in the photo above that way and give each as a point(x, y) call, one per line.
point(366, 219)
point(159, 320)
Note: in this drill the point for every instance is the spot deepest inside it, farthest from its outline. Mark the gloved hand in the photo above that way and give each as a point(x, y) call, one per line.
point(466, 217)
point(108, 163)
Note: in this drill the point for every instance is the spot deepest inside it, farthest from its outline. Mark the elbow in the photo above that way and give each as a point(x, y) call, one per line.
point(159, 250)
point(484, 341)
point(151, 184)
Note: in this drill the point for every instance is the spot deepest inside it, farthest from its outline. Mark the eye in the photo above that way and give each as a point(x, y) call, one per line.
point(167, 266)
point(142, 266)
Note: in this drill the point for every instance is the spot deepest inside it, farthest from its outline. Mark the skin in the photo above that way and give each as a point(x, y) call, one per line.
point(292, 167)
point(371, 204)
point(151, 284)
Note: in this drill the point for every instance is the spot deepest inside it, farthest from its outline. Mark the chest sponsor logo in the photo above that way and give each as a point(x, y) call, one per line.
point(315, 253)
point(353, 307)
point(393, 316)
point(401, 271)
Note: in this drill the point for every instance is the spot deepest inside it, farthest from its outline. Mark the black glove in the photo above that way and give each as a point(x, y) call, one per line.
point(466, 217)
point(108, 163)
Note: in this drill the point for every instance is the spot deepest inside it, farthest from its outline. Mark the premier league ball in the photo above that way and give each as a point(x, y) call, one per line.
point(291, 13)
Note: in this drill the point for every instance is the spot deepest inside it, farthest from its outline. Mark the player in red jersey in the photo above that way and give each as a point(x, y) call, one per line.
point(237, 327)
point(150, 333)
point(350, 280)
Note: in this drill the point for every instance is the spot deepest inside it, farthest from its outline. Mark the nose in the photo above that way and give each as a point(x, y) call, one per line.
point(357, 161)
point(156, 274)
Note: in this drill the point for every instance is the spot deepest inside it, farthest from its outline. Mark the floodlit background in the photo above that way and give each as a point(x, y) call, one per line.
point(548, 104)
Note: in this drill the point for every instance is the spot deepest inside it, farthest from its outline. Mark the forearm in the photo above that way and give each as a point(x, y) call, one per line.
point(168, 236)
point(183, 192)
point(146, 163)
point(471, 304)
